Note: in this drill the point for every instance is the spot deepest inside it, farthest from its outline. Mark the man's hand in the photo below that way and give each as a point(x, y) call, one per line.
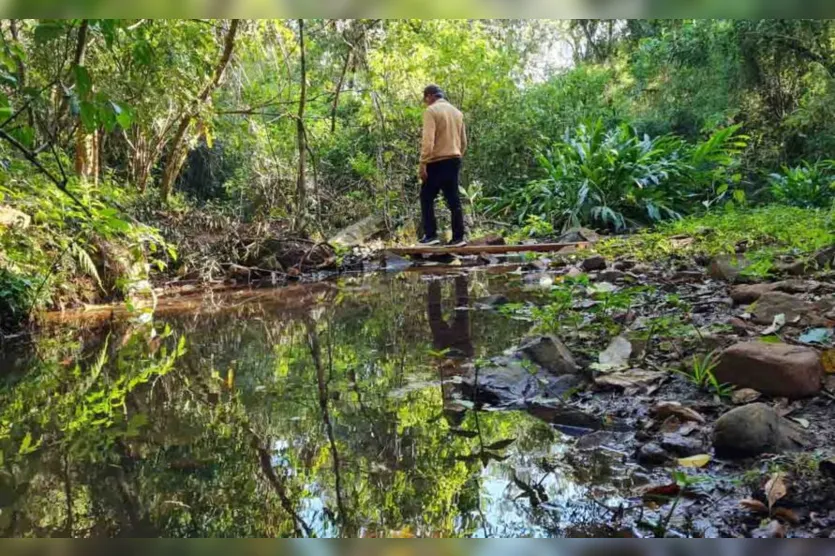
point(423, 174)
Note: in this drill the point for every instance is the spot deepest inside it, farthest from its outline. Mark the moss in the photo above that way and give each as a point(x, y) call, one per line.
point(764, 234)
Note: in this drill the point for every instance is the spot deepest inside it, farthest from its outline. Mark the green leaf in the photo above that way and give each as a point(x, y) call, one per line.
point(5, 107)
point(83, 81)
point(24, 134)
point(49, 29)
point(89, 115)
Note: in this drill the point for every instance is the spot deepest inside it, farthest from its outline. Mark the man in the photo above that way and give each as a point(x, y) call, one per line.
point(444, 143)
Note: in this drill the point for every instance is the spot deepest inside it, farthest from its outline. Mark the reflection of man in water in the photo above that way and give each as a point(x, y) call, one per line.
point(454, 336)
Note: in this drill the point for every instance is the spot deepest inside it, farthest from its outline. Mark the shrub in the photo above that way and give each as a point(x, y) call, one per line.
point(617, 179)
point(807, 185)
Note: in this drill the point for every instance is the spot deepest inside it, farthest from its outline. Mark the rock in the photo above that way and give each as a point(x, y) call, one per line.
point(490, 239)
point(824, 257)
point(595, 262)
point(682, 446)
point(727, 267)
point(796, 268)
point(359, 232)
point(558, 413)
point(631, 379)
point(653, 454)
point(549, 353)
point(749, 293)
point(612, 275)
point(496, 300)
point(779, 370)
point(539, 264)
point(573, 272)
point(688, 276)
point(739, 326)
point(754, 429)
point(624, 264)
point(797, 286)
point(773, 303)
point(505, 382)
point(577, 235)
point(744, 396)
point(10, 217)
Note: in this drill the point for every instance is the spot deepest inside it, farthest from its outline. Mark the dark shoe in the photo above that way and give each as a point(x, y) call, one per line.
point(457, 243)
point(429, 241)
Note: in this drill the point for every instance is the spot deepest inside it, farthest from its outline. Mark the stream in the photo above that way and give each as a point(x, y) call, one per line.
point(335, 409)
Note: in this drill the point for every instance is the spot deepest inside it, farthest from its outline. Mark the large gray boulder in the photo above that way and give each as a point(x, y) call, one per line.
point(780, 370)
point(754, 429)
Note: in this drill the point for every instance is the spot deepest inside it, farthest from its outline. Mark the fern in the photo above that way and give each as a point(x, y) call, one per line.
point(85, 262)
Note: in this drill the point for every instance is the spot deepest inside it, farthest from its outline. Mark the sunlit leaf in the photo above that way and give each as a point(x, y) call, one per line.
point(695, 461)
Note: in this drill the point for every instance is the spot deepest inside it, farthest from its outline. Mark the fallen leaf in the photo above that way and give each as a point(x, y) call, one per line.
point(629, 379)
point(786, 515)
point(617, 353)
point(753, 505)
point(775, 489)
point(665, 409)
point(694, 461)
point(745, 395)
point(816, 336)
point(801, 421)
point(661, 491)
point(778, 323)
point(828, 361)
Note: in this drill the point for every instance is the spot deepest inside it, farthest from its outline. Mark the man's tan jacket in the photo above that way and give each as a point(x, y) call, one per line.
point(444, 135)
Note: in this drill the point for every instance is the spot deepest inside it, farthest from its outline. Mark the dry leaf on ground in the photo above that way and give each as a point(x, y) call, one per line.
point(753, 505)
point(828, 360)
point(775, 489)
point(665, 409)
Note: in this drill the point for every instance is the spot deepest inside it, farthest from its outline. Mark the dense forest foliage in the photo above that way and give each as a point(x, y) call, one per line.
point(132, 148)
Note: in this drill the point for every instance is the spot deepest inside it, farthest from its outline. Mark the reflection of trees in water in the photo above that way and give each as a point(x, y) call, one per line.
point(261, 415)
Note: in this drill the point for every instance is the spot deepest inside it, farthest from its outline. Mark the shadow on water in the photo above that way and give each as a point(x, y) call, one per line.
point(339, 412)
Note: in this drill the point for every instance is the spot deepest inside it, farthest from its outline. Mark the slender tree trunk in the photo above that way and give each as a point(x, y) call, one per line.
point(301, 186)
point(338, 90)
point(21, 69)
point(85, 148)
point(179, 147)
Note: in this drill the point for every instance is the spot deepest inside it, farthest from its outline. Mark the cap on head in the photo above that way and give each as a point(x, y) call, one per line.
point(433, 91)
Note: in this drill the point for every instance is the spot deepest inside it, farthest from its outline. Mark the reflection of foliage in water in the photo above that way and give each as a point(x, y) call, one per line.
point(265, 426)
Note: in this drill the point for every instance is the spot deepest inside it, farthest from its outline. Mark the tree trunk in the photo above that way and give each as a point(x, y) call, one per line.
point(338, 90)
point(179, 148)
point(301, 187)
point(84, 138)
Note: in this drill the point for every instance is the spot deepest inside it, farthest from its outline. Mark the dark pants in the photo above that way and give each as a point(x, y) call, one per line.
point(454, 336)
point(442, 176)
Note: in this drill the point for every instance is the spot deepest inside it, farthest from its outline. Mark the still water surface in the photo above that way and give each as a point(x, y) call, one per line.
point(327, 410)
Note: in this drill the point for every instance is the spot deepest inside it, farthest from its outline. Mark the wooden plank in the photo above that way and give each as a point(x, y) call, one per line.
point(489, 249)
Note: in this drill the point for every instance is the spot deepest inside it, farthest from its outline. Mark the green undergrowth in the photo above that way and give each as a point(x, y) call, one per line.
point(763, 233)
